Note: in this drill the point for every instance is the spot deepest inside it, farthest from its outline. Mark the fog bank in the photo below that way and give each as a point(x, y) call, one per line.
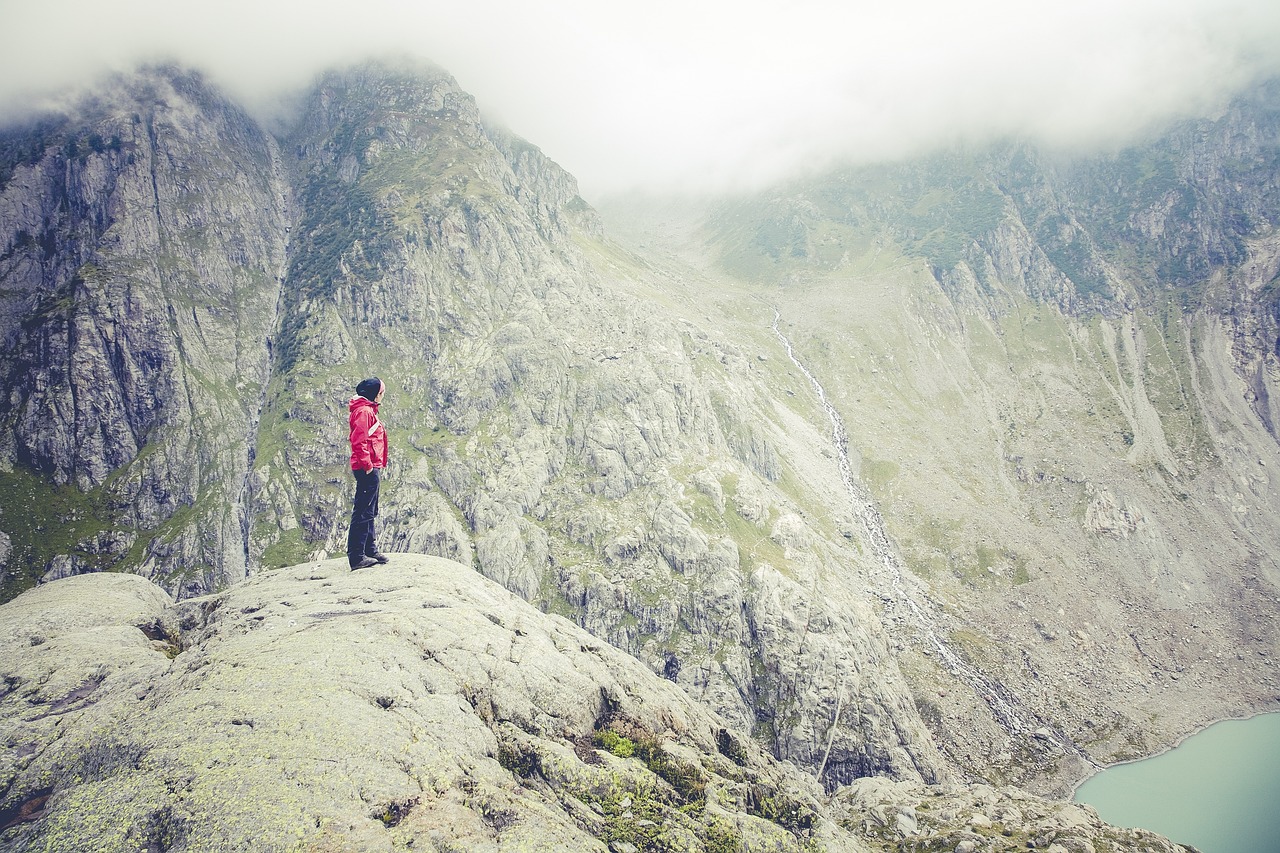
point(706, 96)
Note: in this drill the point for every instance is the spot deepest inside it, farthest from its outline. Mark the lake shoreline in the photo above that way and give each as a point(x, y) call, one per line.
point(1215, 790)
point(1098, 768)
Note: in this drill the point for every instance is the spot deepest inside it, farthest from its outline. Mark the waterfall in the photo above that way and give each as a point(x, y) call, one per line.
point(1004, 706)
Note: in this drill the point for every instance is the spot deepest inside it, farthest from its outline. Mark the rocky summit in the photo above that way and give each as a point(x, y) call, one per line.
point(925, 479)
point(418, 706)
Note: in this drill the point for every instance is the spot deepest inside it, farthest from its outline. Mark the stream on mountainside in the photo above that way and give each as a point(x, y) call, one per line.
point(1004, 706)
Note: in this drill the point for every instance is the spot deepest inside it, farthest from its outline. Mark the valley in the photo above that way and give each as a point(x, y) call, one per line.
point(950, 472)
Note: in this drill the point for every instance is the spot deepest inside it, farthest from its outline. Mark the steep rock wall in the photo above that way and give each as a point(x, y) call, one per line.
point(143, 250)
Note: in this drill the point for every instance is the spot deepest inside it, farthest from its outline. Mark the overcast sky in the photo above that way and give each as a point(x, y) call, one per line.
point(703, 94)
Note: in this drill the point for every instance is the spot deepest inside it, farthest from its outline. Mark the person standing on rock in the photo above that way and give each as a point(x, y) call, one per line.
point(368, 458)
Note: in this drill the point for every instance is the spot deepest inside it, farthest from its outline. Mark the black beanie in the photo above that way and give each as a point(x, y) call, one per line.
point(369, 388)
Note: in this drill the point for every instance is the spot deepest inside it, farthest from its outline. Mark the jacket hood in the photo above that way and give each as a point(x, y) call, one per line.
point(357, 402)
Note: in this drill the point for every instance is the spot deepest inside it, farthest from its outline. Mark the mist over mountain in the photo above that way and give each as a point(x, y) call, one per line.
point(724, 96)
point(950, 470)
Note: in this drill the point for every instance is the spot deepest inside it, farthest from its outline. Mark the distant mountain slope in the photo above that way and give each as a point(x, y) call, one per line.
point(1056, 380)
point(144, 240)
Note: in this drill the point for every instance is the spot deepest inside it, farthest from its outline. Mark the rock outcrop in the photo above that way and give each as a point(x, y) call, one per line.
point(416, 706)
point(981, 819)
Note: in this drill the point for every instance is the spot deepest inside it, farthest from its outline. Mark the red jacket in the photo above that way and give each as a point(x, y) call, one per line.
point(368, 438)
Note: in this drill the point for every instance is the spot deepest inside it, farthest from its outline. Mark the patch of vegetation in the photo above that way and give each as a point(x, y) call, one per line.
point(989, 558)
point(649, 817)
point(721, 837)
point(519, 759)
point(44, 520)
point(639, 818)
point(289, 549)
point(619, 745)
point(687, 780)
point(776, 807)
point(877, 474)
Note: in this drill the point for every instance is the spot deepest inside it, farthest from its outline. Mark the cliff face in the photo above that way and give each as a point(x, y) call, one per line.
point(144, 243)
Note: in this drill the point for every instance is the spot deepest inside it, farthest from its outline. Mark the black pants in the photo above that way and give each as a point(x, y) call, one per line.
point(363, 512)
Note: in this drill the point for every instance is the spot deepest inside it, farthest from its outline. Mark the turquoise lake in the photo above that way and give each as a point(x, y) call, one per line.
point(1219, 791)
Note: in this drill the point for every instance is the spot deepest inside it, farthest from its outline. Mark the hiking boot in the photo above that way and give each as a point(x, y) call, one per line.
point(379, 556)
point(365, 562)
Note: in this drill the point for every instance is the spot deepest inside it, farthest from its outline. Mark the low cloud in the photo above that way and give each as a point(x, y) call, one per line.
point(702, 96)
